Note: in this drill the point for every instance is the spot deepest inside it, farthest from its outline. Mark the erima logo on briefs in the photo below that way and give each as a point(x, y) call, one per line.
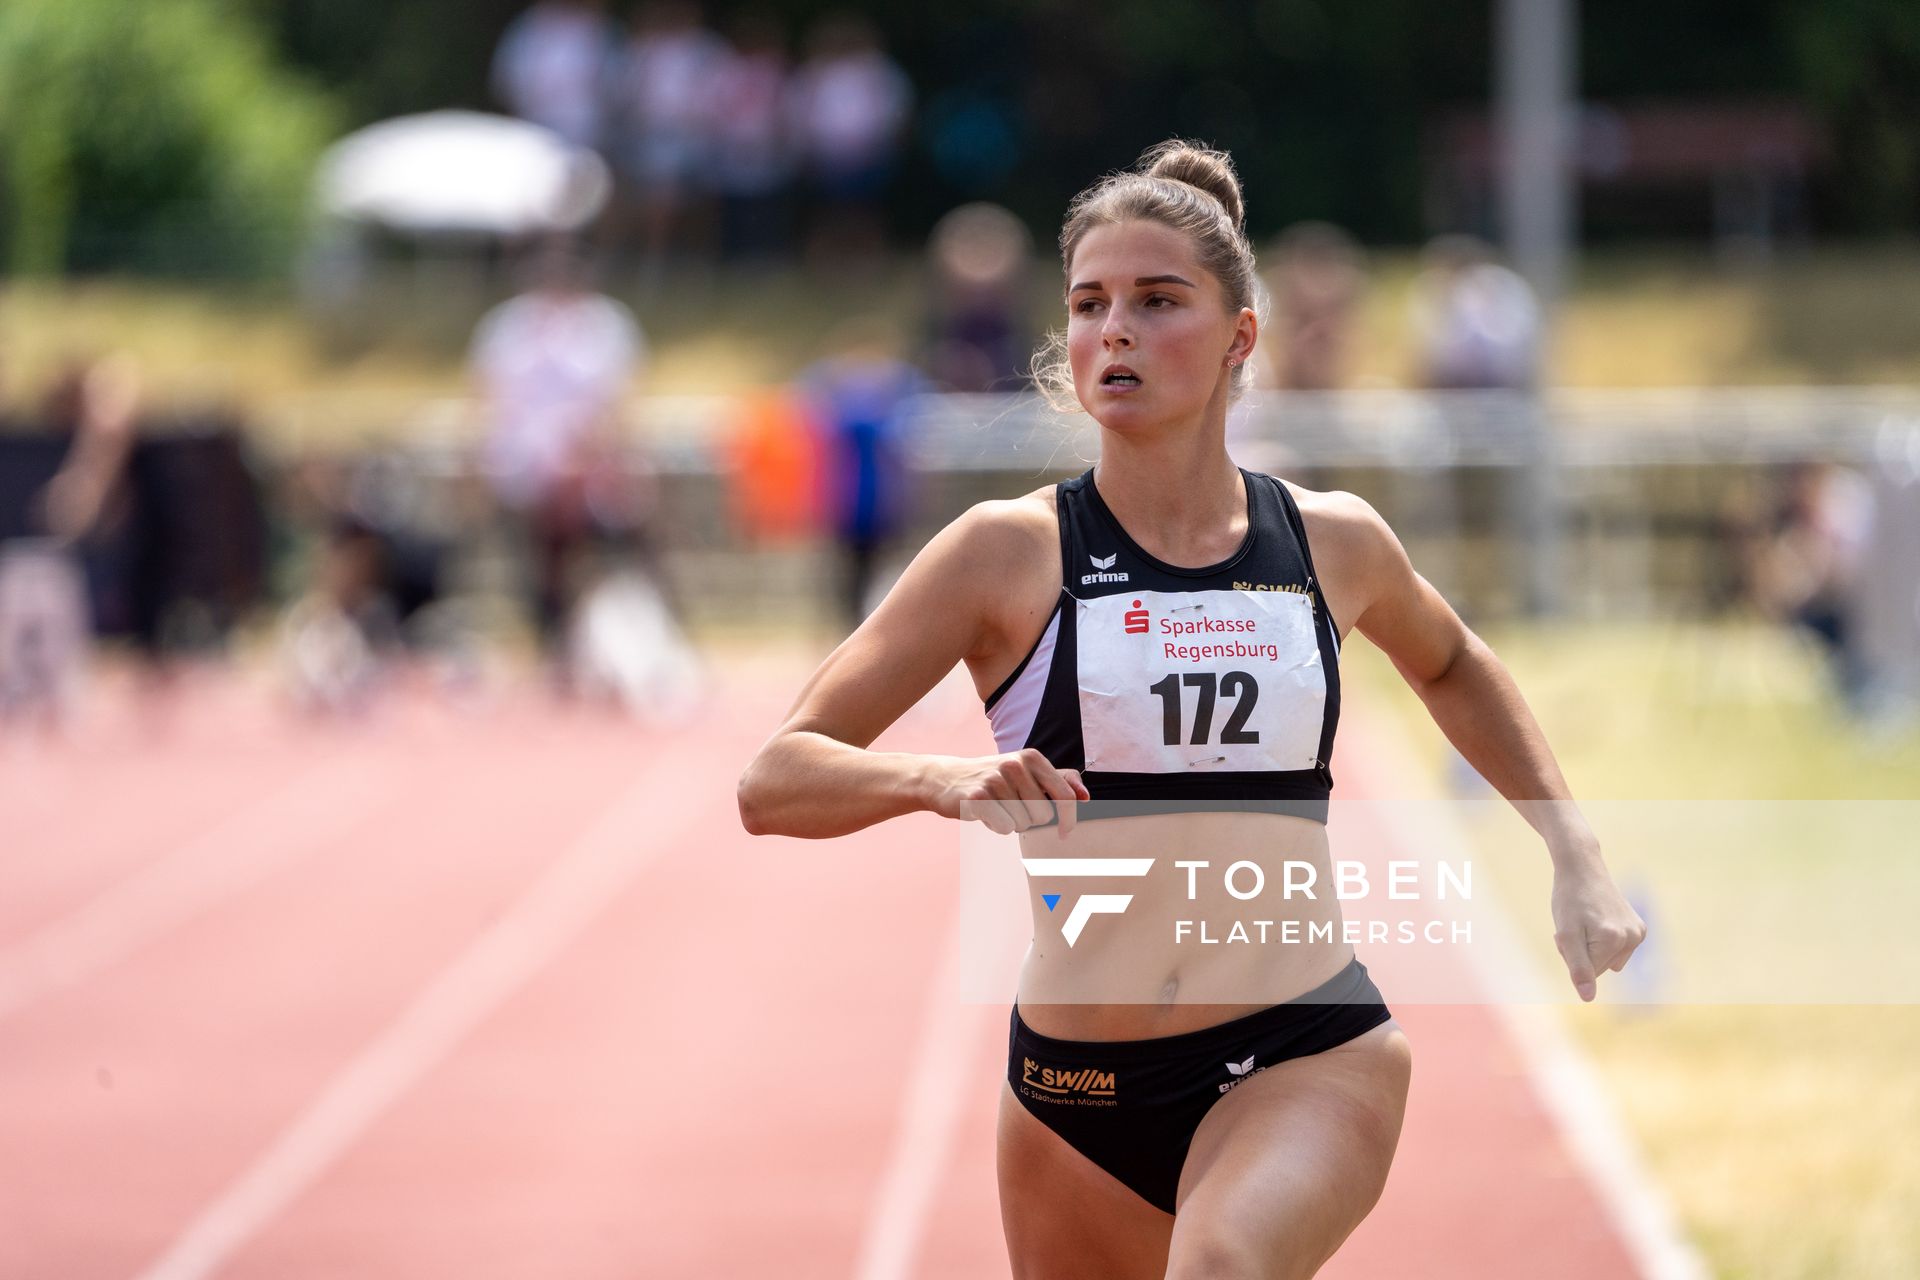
point(1087, 905)
point(1087, 1080)
point(1240, 1071)
point(1088, 579)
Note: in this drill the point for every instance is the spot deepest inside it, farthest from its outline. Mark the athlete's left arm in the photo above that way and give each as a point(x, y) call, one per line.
point(1473, 698)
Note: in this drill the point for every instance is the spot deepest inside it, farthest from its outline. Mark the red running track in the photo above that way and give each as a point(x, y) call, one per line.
point(505, 991)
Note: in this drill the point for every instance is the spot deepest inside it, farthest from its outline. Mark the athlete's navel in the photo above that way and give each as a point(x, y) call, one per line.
point(1168, 990)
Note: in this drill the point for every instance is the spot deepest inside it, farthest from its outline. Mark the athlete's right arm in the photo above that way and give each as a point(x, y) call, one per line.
point(815, 777)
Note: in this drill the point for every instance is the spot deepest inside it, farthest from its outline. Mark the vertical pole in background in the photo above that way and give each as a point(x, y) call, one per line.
point(1884, 604)
point(1534, 84)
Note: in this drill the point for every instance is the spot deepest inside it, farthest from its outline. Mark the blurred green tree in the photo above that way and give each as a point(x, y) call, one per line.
point(1860, 63)
point(153, 136)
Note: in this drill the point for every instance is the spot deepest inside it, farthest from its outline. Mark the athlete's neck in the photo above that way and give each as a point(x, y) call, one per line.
point(1181, 499)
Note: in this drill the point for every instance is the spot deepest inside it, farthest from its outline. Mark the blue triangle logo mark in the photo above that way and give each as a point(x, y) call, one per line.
point(1051, 899)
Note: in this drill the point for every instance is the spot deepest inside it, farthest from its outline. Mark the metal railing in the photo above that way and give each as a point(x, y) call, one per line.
point(1589, 502)
point(1368, 428)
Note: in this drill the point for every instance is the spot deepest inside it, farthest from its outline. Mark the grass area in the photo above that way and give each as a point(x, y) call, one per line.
point(1773, 839)
point(1634, 319)
point(1681, 710)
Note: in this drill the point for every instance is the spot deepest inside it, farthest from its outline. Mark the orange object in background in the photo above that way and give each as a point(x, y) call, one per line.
point(774, 472)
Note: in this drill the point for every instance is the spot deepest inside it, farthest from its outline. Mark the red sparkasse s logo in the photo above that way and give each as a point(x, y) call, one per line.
point(1136, 620)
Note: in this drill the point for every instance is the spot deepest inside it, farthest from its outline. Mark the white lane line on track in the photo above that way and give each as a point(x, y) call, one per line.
point(1561, 1074)
point(290, 823)
point(567, 897)
point(951, 1031)
point(975, 972)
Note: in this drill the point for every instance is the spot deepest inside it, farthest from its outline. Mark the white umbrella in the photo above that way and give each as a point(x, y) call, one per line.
point(462, 171)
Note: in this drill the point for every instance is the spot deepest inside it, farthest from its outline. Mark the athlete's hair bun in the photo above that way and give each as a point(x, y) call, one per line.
point(1197, 166)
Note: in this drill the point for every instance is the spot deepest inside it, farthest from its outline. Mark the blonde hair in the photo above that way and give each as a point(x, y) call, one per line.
point(1194, 190)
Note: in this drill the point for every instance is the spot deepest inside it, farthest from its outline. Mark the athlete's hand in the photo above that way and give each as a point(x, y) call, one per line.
point(1594, 926)
point(1007, 793)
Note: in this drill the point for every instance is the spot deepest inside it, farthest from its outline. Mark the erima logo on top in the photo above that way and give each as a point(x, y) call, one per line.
point(1240, 1071)
point(1103, 566)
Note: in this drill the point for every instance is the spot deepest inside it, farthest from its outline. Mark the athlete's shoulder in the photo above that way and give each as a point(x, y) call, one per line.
point(1008, 526)
point(1342, 523)
point(996, 532)
point(990, 553)
point(1332, 505)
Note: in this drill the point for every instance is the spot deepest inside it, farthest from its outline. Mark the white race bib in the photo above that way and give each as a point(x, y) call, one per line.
point(1185, 681)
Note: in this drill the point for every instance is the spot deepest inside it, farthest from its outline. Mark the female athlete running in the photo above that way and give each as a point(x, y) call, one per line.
point(1157, 642)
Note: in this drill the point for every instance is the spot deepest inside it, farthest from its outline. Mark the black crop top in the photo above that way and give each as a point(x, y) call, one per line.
point(1182, 689)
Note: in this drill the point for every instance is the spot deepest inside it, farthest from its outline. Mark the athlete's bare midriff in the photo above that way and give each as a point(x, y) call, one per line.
point(1135, 975)
point(1170, 963)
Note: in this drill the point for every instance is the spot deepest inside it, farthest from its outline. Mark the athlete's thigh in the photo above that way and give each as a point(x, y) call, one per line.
point(1286, 1165)
point(1065, 1217)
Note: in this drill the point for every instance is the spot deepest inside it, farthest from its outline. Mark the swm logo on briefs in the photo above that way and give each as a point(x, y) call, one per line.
point(1089, 1081)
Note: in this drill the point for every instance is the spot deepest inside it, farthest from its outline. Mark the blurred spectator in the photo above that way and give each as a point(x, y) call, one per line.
point(372, 588)
point(663, 102)
point(553, 366)
point(95, 407)
point(43, 632)
point(1476, 323)
point(1317, 281)
point(1477, 327)
point(167, 523)
point(625, 646)
point(44, 615)
point(551, 68)
point(978, 338)
point(1804, 562)
point(860, 399)
point(92, 506)
point(335, 638)
point(752, 160)
point(851, 103)
point(773, 467)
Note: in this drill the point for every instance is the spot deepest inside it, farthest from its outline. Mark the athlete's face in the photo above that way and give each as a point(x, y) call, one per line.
point(1149, 335)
